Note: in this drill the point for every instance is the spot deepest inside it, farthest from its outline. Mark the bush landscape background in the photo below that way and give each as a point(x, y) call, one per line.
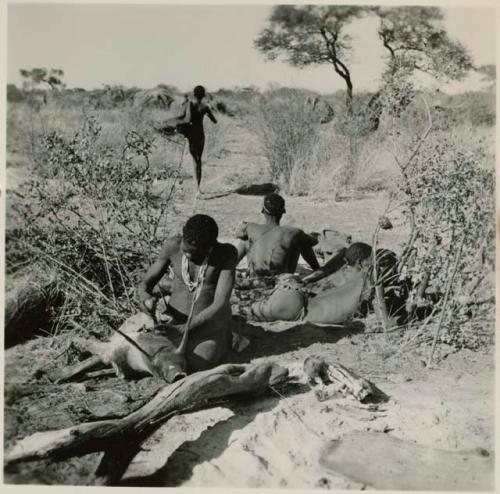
point(94, 188)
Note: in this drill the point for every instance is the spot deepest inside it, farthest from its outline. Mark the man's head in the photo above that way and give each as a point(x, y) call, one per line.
point(358, 254)
point(199, 92)
point(199, 235)
point(274, 205)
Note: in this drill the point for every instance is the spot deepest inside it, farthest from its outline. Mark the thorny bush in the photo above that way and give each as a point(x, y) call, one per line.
point(91, 213)
point(450, 199)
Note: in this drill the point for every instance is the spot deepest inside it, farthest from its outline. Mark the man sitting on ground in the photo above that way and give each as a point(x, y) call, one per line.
point(292, 301)
point(199, 263)
point(272, 249)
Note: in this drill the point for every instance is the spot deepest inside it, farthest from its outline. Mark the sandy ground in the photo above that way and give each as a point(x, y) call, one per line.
point(277, 440)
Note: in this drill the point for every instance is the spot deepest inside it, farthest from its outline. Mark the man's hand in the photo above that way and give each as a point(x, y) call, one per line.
point(154, 274)
point(147, 302)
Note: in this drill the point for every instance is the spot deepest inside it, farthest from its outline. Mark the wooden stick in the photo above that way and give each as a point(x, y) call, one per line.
point(445, 300)
point(194, 391)
point(317, 368)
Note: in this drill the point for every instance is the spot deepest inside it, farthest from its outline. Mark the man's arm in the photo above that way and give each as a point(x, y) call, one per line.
point(307, 251)
point(154, 274)
point(333, 265)
point(211, 115)
point(223, 290)
point(242, 234)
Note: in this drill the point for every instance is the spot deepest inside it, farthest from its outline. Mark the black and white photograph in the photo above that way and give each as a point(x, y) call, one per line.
point(250, 245)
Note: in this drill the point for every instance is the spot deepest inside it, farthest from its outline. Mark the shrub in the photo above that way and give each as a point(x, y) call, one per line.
point(91, 214)
point(450, 197)
point(14, 95)
point(288, 131)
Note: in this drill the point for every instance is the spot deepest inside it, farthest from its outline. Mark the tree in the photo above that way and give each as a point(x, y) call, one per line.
point(14, 94)
point(311, 35)
point(489, 74)
point(35, 77)
point(416, 40)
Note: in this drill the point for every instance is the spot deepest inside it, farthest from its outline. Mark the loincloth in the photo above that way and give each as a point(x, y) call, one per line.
point(246, 282)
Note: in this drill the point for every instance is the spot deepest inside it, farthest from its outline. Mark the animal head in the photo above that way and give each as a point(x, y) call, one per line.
point(170, 366)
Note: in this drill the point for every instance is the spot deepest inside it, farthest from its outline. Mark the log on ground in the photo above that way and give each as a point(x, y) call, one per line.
point(193, 392)
point(319, 371)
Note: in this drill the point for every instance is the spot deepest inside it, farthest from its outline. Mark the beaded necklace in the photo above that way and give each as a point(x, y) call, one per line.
point(186, 277)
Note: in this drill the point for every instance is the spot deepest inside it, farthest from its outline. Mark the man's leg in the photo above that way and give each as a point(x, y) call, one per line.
point(199, 153)
point(339, 303)
point(282, 305)
point(205, 355)
point(193, 149)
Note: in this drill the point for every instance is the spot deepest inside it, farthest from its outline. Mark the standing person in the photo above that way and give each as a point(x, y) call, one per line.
point(192, 128)
point(199, 262)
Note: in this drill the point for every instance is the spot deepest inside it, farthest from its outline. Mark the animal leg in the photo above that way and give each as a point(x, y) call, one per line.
point(119, 373)
point(75, 371)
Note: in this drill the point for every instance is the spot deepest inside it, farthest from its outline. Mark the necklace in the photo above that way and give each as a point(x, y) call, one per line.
point(186, 277)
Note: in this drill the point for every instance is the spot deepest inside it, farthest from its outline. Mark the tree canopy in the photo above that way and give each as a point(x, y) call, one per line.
point(414, 37)
point(311, 34)
point(35, 77)
point(416, 40)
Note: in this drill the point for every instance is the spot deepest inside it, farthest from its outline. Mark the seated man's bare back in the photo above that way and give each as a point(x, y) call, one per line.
point(273, 249)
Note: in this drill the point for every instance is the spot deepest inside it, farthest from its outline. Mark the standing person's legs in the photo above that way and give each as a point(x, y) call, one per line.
point(196, 146)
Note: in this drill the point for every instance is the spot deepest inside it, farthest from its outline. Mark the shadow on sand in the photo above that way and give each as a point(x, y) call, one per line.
point(211, 443)
point(280, 338)
point(245, 190)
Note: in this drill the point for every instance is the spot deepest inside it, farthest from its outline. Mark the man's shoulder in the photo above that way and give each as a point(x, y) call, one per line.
point(225, 253)
point(297, 234)
point(290, 228)
point(252, 228)
point(226, 249)
point(291, 231)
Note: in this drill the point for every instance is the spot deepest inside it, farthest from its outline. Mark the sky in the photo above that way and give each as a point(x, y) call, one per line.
point(183, 45)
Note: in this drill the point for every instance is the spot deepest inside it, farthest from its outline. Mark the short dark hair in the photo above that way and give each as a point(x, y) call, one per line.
point(274, 204)
point(357, 252)
point(199, 91)
point(200, 230)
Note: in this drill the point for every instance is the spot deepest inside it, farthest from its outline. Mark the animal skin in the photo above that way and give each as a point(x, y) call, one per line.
point(128, 361)
point(162, 359)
